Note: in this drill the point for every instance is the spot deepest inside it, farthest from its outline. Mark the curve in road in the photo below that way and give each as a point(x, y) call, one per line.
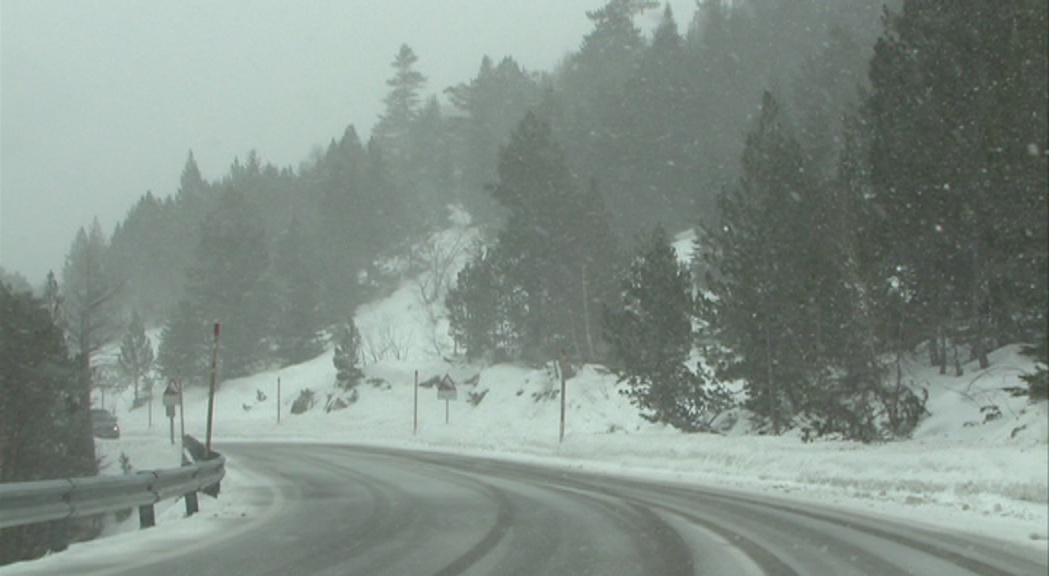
point(353, 510)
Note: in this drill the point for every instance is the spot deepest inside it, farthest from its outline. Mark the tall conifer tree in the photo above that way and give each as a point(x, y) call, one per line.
point(42, 436)
point(958, 166)
point(136, 354)
point(650, 333)
point(229, 283)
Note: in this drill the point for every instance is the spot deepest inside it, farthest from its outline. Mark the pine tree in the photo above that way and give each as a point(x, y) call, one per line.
point(484, 312)
point(183, 352)
point(229, 283)
point(402, 103)
point(53, 300)
point(958, 167)
point(557, 244)
point(192, 186)
point(92, 313)
point(149, 253)
point(90, 293)
point(607, 56)
point(790, 308)
point(300, 313)
point(136, 354)
point(591, 100)
point(347, 355)
point(761, 304)
point(40, 400)
point(653, 156)
point(16, 281)
point(826, 89)
point(493, 102)
point(429, 172)
point(342, 184)
point(651, 338)
point(42, 436)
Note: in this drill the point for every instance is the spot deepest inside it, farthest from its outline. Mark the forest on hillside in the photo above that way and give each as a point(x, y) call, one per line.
point(651, 127)
point(867, 182)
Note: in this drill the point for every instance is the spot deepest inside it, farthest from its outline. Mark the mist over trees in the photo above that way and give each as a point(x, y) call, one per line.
point(867, 184)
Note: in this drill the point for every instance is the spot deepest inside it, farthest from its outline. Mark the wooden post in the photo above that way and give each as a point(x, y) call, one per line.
point(146, 516)
point(415, 406)
point(447, 402)
point(192, 506)
point(564, 358)
point(59, 534)
point(181, 417)
point(211, 392)
point(773, 405)
point(278, 399)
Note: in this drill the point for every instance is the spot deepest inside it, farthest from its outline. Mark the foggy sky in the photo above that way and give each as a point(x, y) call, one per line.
point(101, 101)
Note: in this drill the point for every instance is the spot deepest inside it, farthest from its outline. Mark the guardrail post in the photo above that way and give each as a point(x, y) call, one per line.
point(191, 504)
point(146, 516)
point(59, 534)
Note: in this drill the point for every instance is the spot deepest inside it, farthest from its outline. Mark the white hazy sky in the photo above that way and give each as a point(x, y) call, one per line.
point(101, 101)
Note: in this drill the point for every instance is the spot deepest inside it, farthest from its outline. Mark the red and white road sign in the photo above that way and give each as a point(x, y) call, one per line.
point(446, 389)
point(172, 393)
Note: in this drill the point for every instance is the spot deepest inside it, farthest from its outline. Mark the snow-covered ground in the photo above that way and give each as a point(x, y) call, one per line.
point(979, 462)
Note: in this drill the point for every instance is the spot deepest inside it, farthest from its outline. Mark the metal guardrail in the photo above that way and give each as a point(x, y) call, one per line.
point(62, 500)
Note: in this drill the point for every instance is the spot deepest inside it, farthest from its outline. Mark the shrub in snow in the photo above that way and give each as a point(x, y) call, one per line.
point(379, 384)
point(1038, 382)
point(347, 341)
point(340, 402)
point(303, 403)
point(475, 398)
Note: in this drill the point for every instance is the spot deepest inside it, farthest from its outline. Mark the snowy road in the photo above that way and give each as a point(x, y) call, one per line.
point(345, 510)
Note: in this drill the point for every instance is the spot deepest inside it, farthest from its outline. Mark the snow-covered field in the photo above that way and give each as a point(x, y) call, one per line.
point(968, 465)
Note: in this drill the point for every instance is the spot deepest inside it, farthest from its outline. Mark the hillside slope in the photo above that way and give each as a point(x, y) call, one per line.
point(980, 459)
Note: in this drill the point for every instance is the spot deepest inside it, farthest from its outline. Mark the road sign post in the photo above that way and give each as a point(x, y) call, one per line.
point(172, 397)
point(447, 391)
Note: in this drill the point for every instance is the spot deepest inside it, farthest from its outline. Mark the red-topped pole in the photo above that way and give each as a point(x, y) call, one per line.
point(211, 392)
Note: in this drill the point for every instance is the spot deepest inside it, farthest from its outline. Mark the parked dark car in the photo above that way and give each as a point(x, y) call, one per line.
point(104, 423)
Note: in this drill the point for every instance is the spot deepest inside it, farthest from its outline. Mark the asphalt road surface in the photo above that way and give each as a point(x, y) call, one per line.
point(340, 510)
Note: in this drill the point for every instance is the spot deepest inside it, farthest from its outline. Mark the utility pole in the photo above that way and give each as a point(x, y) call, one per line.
point(278, 399)
point(211, 392)
point(415, 406)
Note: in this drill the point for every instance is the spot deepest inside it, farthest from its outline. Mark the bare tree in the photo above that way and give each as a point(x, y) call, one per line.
point(439, 256)
point(386, 342)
